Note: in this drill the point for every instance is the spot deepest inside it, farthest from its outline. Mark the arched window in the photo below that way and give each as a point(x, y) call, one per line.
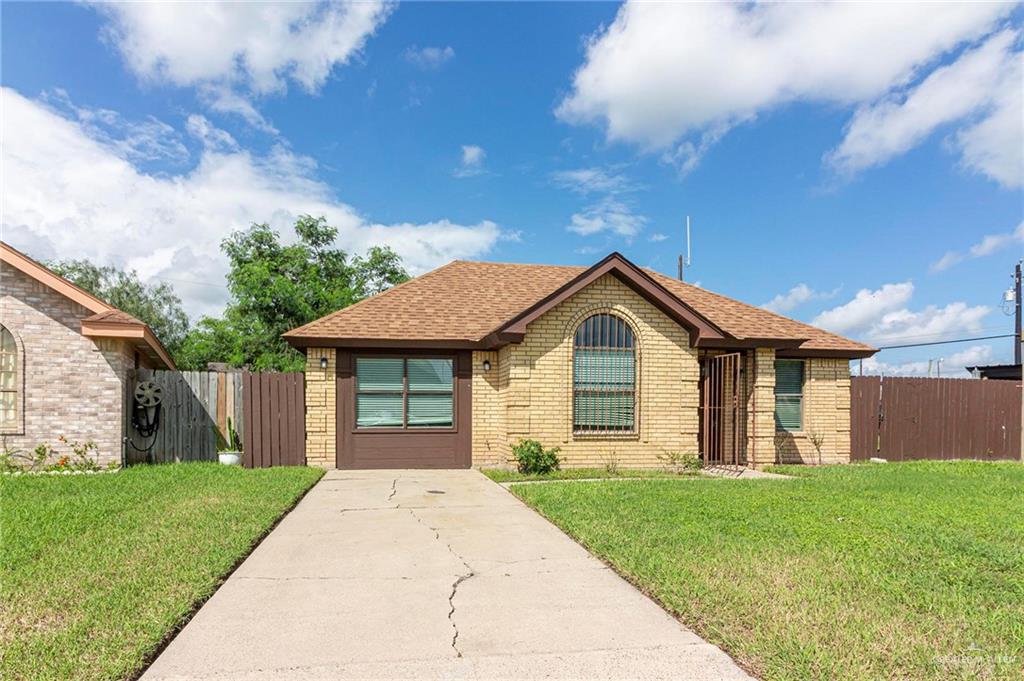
point(9, 383)
point(604, 376)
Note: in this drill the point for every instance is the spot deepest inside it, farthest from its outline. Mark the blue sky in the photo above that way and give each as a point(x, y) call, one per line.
point(856, 166)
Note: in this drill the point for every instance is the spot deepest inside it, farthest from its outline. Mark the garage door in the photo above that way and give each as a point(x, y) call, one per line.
point(404, 409)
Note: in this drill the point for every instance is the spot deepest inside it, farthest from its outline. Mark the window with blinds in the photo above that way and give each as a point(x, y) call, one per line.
point(604, 376)
point(789, 394)
point(404, 392)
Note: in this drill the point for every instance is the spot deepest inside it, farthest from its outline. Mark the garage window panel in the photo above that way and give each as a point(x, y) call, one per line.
point(405, 392)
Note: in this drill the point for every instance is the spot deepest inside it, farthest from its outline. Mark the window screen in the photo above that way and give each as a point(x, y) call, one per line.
point(404, 392)
point(604, 376)
point(789, 394)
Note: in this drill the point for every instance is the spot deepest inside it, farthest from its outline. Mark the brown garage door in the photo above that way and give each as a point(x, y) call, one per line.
point(405, 409)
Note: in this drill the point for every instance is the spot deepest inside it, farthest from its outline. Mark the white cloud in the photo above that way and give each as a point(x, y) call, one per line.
point(429, 58)
point(677, 76)
point(67, 194)
point(882, 317)
point(607, 215)
point(952, 366)
point(593, 181)
point(223, 99)
point(989, 244)
point(148, 140)
point(865, 308)
point(983, 83)
point(658, 237)
point(231, 51)
point(211, 136)
point(260, 46)
point(796, 296)
point(473, 158)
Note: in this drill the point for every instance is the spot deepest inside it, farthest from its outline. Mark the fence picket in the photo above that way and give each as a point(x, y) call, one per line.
point(934, 418)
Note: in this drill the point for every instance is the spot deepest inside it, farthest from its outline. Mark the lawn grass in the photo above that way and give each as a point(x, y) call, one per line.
point(908, 571)
point(508, 475)
point(96, 570)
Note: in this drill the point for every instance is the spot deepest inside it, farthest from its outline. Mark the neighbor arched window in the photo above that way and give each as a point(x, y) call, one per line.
point(604, 376)
point(9, 384)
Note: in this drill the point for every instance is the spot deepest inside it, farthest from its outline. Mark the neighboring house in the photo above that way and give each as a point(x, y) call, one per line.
point(608, 363)
point(67, 361)
point(996, 372)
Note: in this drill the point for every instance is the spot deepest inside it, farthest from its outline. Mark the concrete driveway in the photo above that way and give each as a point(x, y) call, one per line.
point(429, 574)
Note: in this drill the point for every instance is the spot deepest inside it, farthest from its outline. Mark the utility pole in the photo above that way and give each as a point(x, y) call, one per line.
point(1016, 314)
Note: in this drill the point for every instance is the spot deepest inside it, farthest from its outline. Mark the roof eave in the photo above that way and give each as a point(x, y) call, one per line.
point(138, 334)
point(697, 326)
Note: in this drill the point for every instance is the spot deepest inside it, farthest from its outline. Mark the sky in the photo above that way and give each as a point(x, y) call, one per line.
point(855, 166)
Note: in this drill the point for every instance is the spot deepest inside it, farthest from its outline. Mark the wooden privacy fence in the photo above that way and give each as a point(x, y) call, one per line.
point(267, 410)
point(194, 412)
point(903, 419)
point(275, 419)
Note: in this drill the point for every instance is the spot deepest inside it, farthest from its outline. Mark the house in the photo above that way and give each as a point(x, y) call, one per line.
point(610, 363)
point(996, 372)
point(67, 362)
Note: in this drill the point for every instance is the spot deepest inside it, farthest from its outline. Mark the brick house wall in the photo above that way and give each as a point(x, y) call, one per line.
point(321, 407)
point(528, 394)
point(71, 385)
point(531, 390)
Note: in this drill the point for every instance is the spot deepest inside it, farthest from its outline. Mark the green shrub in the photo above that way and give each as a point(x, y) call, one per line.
point(681, 462)
point(533, 458)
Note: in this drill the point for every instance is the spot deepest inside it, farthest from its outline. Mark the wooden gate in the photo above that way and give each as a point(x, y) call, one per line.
point(720, 409)
point(194, 413)
point(275, 419)
point(904, 419)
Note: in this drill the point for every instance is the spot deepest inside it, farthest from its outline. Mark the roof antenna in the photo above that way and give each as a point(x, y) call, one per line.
point(685, 261)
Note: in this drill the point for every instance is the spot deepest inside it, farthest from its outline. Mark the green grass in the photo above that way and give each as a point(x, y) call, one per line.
point(95, 571)
point(507, 475)
point(906, 571)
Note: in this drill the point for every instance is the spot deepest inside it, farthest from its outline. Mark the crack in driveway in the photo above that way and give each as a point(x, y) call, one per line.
point(455, 585)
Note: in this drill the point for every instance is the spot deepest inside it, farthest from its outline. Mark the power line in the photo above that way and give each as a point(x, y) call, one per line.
point(945, 342)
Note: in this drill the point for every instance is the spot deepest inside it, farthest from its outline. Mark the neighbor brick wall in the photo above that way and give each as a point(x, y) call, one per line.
point(72, 385)
point(528, 392)
point(321, 407)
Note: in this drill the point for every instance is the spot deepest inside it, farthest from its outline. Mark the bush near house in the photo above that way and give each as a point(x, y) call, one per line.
point(534, 459)
point(907, 571)
point(96, 570)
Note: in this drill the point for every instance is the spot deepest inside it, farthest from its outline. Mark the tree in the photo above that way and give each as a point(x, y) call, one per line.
point(276, 287)
point(155, 304)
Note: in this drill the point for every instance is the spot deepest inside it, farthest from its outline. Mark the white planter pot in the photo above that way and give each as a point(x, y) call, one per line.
point(230, 458)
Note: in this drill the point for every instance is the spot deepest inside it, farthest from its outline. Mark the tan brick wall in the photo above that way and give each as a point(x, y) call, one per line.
point(321, 407)
point(72, 385)
point(530, 392)
point(760, 402)
point(826, 413)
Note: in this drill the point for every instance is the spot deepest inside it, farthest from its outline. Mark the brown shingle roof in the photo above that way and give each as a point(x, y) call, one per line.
point(465, 301)
point(113, 316)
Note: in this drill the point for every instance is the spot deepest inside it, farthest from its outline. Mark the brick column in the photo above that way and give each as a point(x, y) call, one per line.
point(321, 408)
point(761, 413)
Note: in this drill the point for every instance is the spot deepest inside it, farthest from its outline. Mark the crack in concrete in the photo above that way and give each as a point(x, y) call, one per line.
point(394, 489)
point(451, 612)
point(455, 585)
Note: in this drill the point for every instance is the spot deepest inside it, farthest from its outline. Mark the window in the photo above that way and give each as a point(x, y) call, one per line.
point(604, 376)
point(8, 380)
point(404, 392)
point(789, 394)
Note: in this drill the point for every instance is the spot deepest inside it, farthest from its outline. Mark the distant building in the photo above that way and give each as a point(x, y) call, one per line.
point(997, 372)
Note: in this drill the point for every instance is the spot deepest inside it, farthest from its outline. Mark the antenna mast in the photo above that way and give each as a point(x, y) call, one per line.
point(686, 260)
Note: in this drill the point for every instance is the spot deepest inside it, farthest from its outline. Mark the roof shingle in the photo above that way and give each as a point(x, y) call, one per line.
point(466, 301)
